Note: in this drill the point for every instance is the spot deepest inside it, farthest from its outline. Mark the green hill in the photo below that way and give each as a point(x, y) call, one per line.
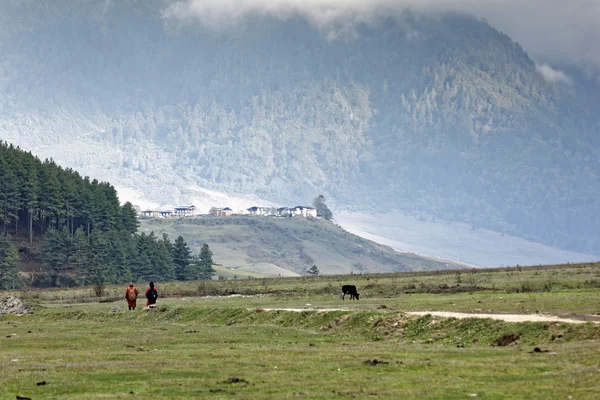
point(266, 245)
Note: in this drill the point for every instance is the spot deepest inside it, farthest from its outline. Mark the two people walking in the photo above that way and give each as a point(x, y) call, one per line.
point(131, 294)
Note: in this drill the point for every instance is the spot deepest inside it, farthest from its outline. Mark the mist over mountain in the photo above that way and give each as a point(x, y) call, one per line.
point(420, 111)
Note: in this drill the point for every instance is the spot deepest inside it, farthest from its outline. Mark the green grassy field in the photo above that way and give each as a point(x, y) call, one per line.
point(201, 345)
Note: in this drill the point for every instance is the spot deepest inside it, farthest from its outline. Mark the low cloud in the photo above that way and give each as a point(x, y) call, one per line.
point(554, 30)
point(552, 75)
point(228, 12)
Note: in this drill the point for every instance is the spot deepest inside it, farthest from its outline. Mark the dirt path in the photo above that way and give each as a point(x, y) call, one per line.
point(448, 314)
point(308, 309)
point(503, 317)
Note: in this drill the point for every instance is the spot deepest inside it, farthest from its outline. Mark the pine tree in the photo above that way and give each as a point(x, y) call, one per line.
point(163, 259)
point(121, 242)
point(314, 270)
point(193, 271)
point(142, 271)
point(9, 195)
point(55, 255)
point(50, 202)
point(16, 199)
point(102, 269)
point(84, 205)
point(129, 220)
point(81, 256)
point(167, 243)
point(9, 255)
point(206, 270)
point(29, 196)
point(106, 210)
point(99, 209)
point(69, 210)
point(181, 259)
point(140, 268)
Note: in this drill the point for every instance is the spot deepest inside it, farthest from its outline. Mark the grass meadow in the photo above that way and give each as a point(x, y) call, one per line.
point(199, 344)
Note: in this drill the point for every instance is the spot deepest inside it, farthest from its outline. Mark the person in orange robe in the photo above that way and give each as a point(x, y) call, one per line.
point(131, 295)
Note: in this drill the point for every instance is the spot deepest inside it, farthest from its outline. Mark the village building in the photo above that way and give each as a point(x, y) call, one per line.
point(223, 212)
point(284, 212)
point(186, 211)
point(302, 211)
point(150, 213)
point(258, 210)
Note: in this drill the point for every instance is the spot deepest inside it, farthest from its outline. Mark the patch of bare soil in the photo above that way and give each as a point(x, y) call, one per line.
point(236, 380)
point(507, 339)
point(12, 305)
point(305, 309)
point(375, 362)
point(446, 289)
point(503, 317)
point(449, 314)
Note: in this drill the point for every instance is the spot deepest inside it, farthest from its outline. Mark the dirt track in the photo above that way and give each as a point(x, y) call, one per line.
point(447, 314)
point(503, 317)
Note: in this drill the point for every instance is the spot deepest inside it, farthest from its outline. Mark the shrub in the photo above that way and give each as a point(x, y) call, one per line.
point(99, 289)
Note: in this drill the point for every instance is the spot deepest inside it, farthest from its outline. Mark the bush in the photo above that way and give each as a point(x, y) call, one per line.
point(99, 289)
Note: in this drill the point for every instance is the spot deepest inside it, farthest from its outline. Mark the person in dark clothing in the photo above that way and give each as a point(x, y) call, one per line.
point(151, 295)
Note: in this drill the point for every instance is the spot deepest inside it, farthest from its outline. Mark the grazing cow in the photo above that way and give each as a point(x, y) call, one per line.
point(351, 290)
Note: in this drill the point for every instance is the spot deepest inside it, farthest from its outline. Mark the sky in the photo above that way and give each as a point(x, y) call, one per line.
point(564, 31)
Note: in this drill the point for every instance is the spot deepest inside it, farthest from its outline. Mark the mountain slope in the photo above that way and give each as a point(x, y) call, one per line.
point(434, 113)
point(453, 241)
point(263, 244)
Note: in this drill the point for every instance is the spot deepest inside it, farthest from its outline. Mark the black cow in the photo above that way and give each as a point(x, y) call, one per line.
point(351, 290)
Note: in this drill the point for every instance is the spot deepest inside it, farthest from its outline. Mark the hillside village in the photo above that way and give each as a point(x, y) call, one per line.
point(190, 211)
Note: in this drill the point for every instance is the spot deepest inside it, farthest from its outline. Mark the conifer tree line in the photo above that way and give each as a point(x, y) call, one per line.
point(87, 236)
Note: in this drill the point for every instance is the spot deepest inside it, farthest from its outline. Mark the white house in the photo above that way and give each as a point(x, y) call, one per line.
point(284, 212)
point(224, 212)
point(186, 211)
point(258, 210)
point(303, 211)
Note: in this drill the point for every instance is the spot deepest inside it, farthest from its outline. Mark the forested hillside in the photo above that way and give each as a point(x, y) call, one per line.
point(76, 230)
point(433, 113)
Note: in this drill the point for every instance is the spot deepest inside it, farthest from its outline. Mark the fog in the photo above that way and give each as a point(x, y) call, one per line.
point(550, 30)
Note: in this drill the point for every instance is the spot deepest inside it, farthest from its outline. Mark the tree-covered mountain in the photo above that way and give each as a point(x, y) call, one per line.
point(72, 230)
point(435, 113)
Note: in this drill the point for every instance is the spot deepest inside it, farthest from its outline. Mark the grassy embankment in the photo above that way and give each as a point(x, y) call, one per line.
point(230, 347)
